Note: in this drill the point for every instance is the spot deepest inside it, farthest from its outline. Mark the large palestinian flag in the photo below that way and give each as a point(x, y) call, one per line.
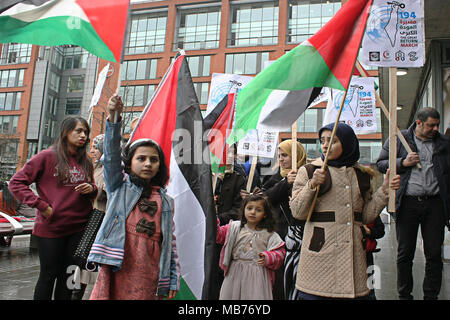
point(279, 94)
point(219, 122)
point(97, 26)
point(173, 119)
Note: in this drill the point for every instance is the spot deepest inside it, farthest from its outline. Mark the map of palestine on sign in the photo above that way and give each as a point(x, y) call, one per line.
point(395, 34)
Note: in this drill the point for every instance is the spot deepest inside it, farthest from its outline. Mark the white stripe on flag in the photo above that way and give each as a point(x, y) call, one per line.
point(30, 13)
point(190, 229)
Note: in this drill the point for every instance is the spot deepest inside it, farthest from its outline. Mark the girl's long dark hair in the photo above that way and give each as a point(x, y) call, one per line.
point(269, 221)
point(62, 151)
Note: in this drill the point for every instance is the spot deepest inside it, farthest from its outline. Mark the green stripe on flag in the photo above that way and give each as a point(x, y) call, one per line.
point(55, 31)
point(185, 292)
point(301, 68)
point(215, 164)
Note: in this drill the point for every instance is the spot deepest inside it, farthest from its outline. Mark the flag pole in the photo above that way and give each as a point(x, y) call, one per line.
point(392, 133)
point(324, 165)
point(386, 113)
point(252, 173)
point(311, 209)
point(116, 115)
point(294, 146)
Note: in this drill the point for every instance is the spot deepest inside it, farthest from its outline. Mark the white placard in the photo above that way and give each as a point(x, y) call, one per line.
point(261, 143)
point(99, 87)
point(359, 108)
point(223, 84)
point(394, 34)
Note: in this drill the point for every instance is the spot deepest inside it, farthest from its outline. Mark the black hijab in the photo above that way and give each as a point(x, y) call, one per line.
point(350, 145)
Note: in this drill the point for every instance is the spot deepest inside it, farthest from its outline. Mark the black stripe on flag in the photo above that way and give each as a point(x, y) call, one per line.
point(6, 4)
point(212, 117)
point(198, 175)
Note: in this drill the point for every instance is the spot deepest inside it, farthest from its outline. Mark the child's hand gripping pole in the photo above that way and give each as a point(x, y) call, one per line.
point(115, 107)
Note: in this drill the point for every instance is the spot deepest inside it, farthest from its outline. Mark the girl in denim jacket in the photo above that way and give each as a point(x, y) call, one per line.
point(135, 245)
point(251, 251)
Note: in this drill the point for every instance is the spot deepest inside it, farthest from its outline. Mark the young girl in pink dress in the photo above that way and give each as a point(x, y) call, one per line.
point(135, 246)
point(251, 251)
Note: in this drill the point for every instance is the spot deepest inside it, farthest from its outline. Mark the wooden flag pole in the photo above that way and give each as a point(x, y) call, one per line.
point(392, 133)
point(252, 173)
point(294, 146)
point(386, 113)
point(324, 166)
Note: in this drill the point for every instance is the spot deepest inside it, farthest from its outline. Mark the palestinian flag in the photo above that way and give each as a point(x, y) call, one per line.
point(279, 94)
point(219, 123)
point(173, 119)
point(97, 26)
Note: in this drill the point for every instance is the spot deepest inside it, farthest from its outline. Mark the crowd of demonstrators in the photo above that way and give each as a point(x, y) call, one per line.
point(64, 178)
point(423, 199)
point(268, 247)
point(135, 246)
point(332, 261)
point(251, 251)
point(278, 189)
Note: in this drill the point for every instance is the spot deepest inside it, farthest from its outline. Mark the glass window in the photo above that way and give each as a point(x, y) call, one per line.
point(131, 69)
point(4, 78)
point(127, 118)
point(54, 81)
point(2, 100)
point(147, 33)
point(311, 148)
point(254, 24)
point(138, 69)
point(76, 84)
point(201, 88)
point(306, 17)
point(8, 124)
point(198, 29)
point(136, 95)
point(17, 100)
point(245, 63)
point(13, 53)
point(11, 78)
point(9, 101)
point(73, 106)
point(369, 151)
point(75, 57)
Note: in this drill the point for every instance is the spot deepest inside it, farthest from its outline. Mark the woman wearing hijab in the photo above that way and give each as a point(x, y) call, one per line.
point(278, 190)
point(333, 261)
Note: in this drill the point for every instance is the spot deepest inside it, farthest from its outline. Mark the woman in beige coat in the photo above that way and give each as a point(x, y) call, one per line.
point(333, 260)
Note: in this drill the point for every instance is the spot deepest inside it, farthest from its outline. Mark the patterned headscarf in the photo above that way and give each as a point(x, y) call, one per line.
point(286, 146)
point(97, 142)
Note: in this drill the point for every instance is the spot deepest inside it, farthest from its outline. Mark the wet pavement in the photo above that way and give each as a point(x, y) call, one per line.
point(19, 269)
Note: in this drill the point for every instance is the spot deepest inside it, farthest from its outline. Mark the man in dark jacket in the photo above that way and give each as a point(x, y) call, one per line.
point(422, 199)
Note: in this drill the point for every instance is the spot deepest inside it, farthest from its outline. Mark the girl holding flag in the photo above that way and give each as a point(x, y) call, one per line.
point(135, 245)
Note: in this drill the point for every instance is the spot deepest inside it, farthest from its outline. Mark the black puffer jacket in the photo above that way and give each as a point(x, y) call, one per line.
point(229, 196)
point(441, 166)
point(278, 190)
